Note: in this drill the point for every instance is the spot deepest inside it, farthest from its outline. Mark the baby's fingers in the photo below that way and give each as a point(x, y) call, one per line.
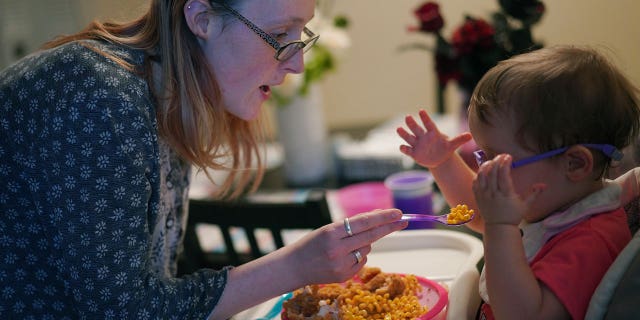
point(460, 139)
point(481, 183)
point(406, 136)
point(413, 126)
point(427, 122)
point(493, 169)
point(504, 182)
point(487, 179)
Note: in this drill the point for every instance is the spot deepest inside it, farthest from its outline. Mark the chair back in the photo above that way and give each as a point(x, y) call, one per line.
point(619, 290)
point(274, 211)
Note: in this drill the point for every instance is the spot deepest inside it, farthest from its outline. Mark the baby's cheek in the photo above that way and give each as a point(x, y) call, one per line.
point(540, 207)
point(534, 215)
point(521, 181)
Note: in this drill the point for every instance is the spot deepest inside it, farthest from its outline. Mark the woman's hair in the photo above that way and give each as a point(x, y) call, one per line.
point(561, 96)
point(190, 113)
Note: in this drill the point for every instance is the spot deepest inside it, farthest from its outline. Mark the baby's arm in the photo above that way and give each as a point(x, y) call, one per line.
point(435, 151)
point(513, 288)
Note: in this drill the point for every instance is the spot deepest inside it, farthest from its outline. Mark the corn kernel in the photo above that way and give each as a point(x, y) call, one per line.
point(459, 214)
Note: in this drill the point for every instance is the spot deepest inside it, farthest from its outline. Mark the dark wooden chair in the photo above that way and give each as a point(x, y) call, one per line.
point(275, 211)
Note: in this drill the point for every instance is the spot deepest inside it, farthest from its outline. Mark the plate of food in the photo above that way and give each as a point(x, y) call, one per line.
point(371, 294)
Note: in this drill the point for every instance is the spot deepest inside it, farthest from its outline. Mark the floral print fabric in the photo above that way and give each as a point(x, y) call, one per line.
point(92, 203)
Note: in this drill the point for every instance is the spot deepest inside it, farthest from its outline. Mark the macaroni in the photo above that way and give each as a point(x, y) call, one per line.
point(379, 296)
point(460, 213)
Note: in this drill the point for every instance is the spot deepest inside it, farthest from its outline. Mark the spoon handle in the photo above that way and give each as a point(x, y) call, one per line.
point(424, 217)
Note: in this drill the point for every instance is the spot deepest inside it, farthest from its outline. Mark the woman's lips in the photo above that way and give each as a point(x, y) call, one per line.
point(266, 90)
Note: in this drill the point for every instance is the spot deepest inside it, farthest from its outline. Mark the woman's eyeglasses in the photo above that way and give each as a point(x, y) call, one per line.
point(609, 150)
point(283, 51)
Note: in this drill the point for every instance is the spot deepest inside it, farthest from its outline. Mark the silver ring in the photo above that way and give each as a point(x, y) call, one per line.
point(347, 227)
point(358, 256)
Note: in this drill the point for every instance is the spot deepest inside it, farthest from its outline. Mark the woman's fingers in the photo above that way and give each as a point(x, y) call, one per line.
point(374, 221)
point(366, 228)
point(360, 255)
point(340, 249)
point(369, 227)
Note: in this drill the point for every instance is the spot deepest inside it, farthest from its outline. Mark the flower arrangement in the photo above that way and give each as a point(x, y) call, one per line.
point(321, 58)
point(477, 45)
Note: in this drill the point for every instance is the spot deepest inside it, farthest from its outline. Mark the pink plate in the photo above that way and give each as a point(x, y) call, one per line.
point(364, 197)
point(433, 296)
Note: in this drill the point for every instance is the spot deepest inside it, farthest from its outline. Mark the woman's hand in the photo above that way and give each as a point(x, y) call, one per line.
point(426, 144)
point(329, 254)
point(325, 255)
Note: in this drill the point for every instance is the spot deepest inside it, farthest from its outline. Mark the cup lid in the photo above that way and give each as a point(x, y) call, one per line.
point(409, 180)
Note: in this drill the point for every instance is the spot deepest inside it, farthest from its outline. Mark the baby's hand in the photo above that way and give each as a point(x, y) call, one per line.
point(426, 144)
point(495, 195)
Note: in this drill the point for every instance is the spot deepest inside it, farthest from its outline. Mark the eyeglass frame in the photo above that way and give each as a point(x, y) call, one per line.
point(609, 150)
point(305, 45)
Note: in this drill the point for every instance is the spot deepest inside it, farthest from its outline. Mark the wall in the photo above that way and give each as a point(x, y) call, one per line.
point(26, 24)
point(375, 81)
point(378, 82)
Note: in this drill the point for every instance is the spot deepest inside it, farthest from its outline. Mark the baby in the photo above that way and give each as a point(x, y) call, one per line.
point(549, 124)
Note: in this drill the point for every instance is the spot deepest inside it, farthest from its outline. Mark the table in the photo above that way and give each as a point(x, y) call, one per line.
point(444, 254)
point(447, 256)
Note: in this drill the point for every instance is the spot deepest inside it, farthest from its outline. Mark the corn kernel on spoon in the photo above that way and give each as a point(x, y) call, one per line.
point(458, 215)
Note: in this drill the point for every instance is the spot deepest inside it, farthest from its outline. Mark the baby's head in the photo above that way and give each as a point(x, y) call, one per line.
point(559, 97)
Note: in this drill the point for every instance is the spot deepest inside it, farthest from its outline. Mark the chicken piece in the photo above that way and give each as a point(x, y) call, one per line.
point(330, 291)
point(394, 286)
point(304, 303)
point(386, 283)
point(378, 281)
point(367, 273)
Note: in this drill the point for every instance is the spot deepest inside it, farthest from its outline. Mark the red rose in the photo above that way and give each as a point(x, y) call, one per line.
point(429, 16)
point(526, 10)
point(474, 34)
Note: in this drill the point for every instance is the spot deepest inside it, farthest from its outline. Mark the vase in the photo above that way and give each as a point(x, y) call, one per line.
point(303, 134)
point(467, 149)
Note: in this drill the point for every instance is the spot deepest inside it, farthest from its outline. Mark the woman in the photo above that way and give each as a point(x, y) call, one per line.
point(100, 131)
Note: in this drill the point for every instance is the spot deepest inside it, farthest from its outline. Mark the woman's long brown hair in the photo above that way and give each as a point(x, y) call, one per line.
point(190, 114)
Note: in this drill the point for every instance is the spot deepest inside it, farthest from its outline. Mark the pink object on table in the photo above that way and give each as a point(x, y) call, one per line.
point(364, 197)
point(433, 296)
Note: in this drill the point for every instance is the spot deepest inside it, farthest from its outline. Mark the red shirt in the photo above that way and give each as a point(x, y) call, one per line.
point(573, 262)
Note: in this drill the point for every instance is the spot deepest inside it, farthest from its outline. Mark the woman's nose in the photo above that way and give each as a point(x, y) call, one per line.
point(295, 64)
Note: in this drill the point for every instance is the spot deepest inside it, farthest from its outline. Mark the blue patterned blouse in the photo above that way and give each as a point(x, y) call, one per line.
point(92, 202)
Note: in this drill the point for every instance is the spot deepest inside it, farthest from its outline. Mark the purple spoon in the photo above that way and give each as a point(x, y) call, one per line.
point(440, 218)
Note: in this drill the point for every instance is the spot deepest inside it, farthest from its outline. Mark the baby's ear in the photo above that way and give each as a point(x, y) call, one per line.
point(578, 163)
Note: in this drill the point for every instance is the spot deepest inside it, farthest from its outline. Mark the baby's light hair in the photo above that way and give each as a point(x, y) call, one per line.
point(560, 96)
